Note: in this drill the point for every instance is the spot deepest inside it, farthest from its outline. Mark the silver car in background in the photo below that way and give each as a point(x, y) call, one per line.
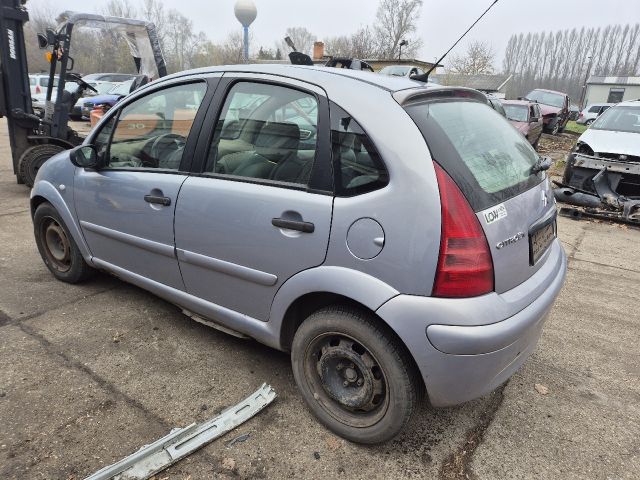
point(589, 114)
point(397, 239)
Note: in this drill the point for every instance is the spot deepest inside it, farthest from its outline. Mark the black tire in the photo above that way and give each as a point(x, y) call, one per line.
point(354, 374)
point(555, 128)
point(589, 122)
point(57, 247)
point(33, 158)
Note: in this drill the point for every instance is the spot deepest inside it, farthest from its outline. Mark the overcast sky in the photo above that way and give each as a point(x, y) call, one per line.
point(440, 24)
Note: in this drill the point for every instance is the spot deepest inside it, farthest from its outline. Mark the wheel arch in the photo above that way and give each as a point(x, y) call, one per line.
point(308, 303)
point(45, 192)
point(317, 286)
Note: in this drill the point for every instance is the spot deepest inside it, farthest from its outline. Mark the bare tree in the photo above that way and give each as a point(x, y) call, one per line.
point(396, 21)
point(231, 51)
point(356, 45)
point(120, 8)
point(562, 60)
point(478, 59)
point(302, 38)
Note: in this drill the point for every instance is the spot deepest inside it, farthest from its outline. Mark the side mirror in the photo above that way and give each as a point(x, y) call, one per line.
point(84, 156)
point(533, 120)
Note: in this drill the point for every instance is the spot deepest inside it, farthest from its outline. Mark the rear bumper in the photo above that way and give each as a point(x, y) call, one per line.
point(465, 348)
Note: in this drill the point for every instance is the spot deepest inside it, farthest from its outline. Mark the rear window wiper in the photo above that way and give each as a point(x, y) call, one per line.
point(542, 164)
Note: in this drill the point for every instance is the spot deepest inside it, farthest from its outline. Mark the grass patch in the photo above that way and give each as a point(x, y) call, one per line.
point(575, 128)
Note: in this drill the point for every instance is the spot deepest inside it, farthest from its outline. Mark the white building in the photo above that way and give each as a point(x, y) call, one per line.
point(612, 89)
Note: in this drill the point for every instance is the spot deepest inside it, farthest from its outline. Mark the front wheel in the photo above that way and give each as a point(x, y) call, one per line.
point(354, 374)
point(57, 248)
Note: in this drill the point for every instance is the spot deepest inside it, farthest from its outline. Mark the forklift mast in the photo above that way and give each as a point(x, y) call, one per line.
point(15, 92)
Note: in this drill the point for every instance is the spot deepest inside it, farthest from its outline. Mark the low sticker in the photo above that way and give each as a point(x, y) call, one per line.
point(494, 214)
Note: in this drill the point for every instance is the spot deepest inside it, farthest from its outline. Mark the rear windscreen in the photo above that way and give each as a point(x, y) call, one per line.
point(487, 158)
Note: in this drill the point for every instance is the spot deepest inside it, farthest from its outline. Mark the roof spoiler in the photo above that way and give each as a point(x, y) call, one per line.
point(422, 94)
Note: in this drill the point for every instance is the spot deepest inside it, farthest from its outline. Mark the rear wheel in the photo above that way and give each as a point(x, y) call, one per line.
point(57, 248)
point(355, 376)
point(589, 122)
point(33, 158)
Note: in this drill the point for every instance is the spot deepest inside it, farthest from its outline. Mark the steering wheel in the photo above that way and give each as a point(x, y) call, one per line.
point(163, 143)
point(76, 78)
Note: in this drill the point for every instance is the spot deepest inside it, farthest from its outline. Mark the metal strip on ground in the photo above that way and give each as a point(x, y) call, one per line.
point(180, 442)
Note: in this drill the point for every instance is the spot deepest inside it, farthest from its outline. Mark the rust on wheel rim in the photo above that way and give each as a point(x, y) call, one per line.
point(56, 244)
point(346, 380)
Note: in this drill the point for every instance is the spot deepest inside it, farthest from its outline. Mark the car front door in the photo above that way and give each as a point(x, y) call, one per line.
point(126, 208)
point(260, 210)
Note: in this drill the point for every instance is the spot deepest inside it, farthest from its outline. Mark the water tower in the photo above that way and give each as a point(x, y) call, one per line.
point(246, 13)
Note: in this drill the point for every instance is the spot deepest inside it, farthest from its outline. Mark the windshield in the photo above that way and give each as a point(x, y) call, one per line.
point(487, 158)
point(546, 98)
point(517, 113)
point(619, 119)
point(121, 88)
point(397, 71)
point(104, 87)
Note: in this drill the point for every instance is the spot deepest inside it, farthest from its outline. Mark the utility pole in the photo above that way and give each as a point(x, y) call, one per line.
point(584, 85)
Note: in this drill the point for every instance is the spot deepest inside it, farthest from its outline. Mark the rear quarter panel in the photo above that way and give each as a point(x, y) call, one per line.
point(408, 208)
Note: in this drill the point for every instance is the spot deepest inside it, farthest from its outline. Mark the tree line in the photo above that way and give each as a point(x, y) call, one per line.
point(562, 60)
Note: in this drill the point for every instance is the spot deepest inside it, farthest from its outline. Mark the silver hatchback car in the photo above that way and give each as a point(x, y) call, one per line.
point(397, 238)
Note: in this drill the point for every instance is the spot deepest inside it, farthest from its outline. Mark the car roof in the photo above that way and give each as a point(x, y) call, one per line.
point(628, 103)
point(313, 74)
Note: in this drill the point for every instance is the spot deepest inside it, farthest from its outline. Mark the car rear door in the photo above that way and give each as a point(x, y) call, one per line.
point(126, 209)
point(258, 209)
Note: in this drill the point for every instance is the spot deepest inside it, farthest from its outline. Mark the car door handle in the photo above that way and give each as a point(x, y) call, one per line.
point(304, 227)
point(166, 201)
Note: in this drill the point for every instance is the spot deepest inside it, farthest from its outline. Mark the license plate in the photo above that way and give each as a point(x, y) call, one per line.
point(540, 240)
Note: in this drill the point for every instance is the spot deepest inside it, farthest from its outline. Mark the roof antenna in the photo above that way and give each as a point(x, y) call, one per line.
point(425, 76)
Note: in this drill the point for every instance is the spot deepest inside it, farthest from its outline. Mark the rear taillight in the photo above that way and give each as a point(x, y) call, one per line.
point(581, 115)
point(38, 89)
point(465, 267)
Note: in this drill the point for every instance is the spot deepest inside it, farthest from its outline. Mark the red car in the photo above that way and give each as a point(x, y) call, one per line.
point(526, 117)
point(554, 106)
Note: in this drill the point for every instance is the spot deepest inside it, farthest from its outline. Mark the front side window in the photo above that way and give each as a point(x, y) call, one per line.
point(152, 131)
point(357, 164)
point(266, 132)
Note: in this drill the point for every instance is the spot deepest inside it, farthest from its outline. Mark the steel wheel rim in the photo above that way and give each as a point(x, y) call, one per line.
point(56, 245)
point(346, 380)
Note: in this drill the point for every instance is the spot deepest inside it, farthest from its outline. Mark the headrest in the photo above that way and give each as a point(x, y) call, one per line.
point(276, 140)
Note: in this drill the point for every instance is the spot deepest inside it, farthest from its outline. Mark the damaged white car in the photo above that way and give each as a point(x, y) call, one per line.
point(603, 170)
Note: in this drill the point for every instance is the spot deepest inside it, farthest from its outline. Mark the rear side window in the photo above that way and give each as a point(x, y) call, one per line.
point(357, 165)
point(266, 132)
point(488, 159)
point(594, 109)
